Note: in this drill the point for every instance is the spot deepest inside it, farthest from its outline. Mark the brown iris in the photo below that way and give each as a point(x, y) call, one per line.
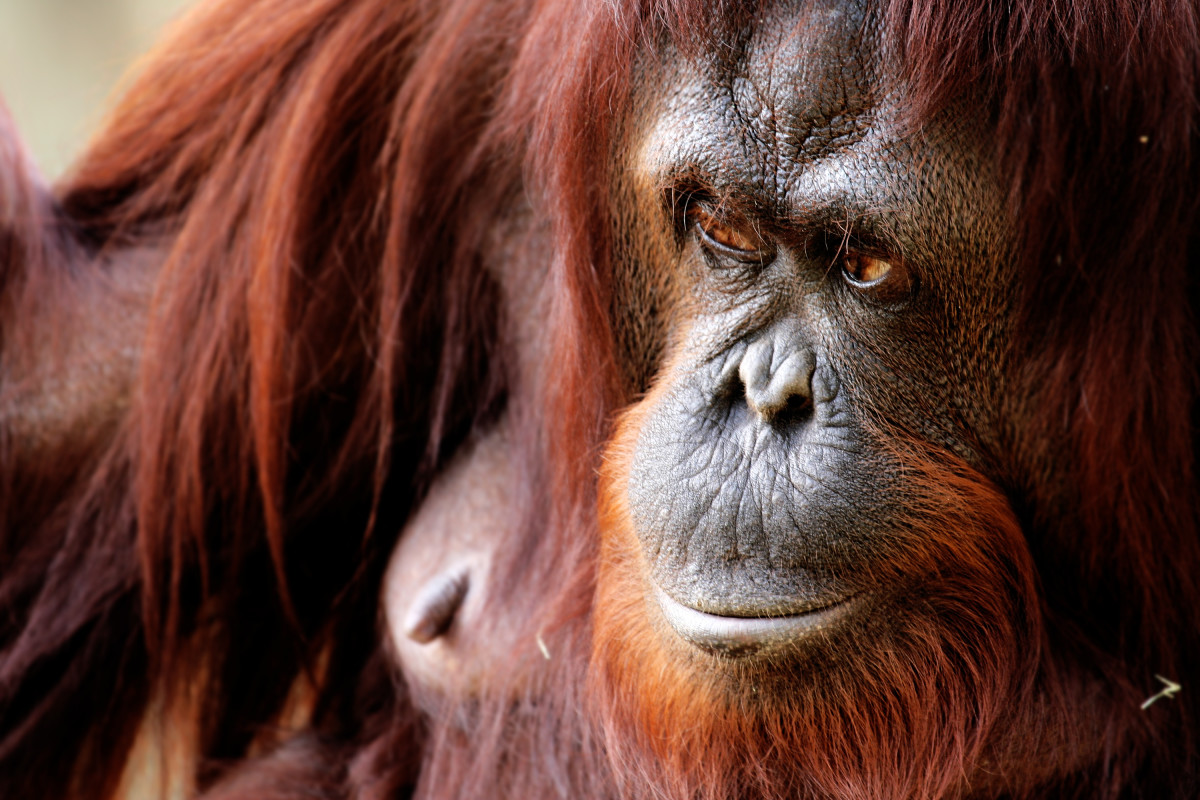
point(865, 270)
point(883, 280)
point(732, 235)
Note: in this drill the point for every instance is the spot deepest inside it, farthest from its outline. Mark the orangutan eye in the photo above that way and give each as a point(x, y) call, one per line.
point(864, 270)
point(882, 280)
point(728, 235)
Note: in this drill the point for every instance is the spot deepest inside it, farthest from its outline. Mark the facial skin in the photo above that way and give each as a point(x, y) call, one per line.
point(440, 575)
point(835, 288)
point(451, 619)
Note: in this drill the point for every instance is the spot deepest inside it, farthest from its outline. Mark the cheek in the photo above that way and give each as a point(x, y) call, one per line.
point(441, 604)
point(629, 627)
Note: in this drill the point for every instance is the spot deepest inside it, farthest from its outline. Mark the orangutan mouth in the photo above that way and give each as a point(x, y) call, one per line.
point(746, 635)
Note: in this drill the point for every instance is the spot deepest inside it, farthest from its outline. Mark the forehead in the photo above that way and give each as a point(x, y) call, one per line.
point(790, 114)
point(785, 89)
point(800, 83)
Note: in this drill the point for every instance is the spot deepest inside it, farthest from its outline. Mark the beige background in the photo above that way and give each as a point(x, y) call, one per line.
point(60, 59)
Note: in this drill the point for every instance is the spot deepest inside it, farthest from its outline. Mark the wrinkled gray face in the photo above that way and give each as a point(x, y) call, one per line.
point(836, 274)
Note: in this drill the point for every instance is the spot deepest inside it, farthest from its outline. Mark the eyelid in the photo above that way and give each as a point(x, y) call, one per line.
point(865, 269)
point(742, 240)
point(892, 286)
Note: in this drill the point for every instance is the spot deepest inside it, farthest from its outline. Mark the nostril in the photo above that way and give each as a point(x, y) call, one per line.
point(436, 605)
point(797, 409)
point(780, 410)
point(729, 385)
point(730, 388)
point(780, 391)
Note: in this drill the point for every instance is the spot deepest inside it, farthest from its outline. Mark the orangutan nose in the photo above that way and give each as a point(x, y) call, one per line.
point(776, 372)
point(436, 605)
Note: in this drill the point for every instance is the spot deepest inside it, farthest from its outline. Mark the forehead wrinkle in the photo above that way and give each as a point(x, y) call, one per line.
point(798, 89)
point(784, 97)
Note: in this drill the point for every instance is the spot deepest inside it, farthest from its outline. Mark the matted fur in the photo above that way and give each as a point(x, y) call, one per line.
point(323, 335)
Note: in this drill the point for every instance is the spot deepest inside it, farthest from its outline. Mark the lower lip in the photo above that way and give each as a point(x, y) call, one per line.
point(741, 636)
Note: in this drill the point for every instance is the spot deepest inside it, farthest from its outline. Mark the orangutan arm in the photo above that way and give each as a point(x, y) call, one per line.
point(71, 325)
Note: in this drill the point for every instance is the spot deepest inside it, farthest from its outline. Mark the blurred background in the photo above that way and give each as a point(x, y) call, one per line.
point(60, 60)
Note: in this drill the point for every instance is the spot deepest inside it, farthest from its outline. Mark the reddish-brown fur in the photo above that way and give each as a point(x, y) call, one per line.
point(323, 335)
